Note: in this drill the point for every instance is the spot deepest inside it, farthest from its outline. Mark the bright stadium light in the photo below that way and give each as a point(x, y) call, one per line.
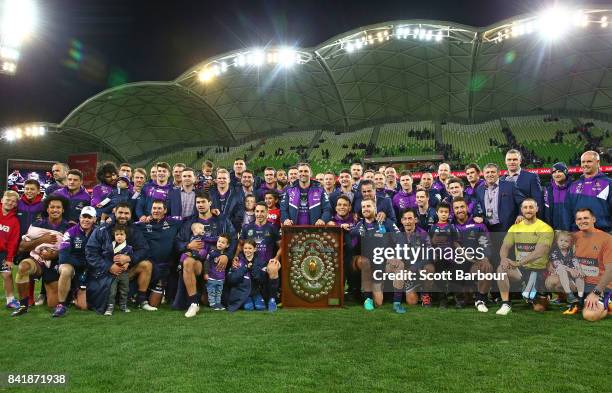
point(439, 36)
point(287, 57)
point(554, 23)
point(604, 21)
point(18, 21)
point(205, 75)
point(240, 61)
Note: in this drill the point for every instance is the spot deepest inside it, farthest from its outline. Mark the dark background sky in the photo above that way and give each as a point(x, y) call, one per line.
point(82, 47)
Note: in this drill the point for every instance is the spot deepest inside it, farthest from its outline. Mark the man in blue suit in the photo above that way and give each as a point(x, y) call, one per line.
point(528, 183)
point(181, 201)
point(500, 200)
point(384, 206)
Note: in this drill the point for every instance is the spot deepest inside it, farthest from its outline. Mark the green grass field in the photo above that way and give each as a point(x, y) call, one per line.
point(342, 350)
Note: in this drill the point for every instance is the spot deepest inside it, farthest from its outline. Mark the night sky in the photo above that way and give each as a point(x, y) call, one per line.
point(82, 47)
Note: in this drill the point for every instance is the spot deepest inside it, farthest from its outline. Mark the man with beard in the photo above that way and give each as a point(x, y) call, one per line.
point(384, 206)
point(160, 233)
point(101, 270)
point(192, 268)
point(531, 239)
point(415, 237)
point(72, 260)
point(368, 229)
point(474, 235)
point(305, 202)
point(454, 186)
point(426, 215)
point(356, 174)
point(46, 233)
point(59, 171)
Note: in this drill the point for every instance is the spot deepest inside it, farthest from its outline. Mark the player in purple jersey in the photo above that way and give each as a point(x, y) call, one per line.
point(443, 236)
point(472, 174)
point(426, 215)
point(405, 198)
point(265, 234)
point(474, 236)
point(371, 231)
point(454, 186)
point(416, 237)
point(346, 219)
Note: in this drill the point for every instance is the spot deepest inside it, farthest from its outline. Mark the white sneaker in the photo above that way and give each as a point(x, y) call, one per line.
point(40, 300)
point(480, 306)
point(505, 309)
point(192, 311)
point(147, 307)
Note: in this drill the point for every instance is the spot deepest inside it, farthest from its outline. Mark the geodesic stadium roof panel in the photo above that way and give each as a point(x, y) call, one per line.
point(412, 69)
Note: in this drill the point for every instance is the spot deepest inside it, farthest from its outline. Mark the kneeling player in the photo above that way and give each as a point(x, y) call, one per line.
point(474, 236)
point(531, 239)
point(593, 251)
point(368, 228)
point(416, 238)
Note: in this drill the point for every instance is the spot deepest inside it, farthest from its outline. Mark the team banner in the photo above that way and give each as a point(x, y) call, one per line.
point(86, 163)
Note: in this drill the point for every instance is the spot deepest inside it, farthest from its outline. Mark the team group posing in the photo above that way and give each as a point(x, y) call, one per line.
point(182, 234)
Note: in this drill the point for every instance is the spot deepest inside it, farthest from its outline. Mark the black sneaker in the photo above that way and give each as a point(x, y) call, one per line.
point(22, 310)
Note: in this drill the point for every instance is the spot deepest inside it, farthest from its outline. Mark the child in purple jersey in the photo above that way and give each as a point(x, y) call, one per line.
point(216, 276)
point(197, 233)
point(443, 236)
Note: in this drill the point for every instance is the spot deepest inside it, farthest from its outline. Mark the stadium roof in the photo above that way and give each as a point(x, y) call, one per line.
point(412, 69)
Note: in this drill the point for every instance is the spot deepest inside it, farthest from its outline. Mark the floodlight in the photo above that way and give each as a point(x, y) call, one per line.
point(553, 23)
point(19, 19)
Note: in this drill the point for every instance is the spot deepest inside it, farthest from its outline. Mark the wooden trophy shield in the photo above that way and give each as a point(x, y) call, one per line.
point(312, 273)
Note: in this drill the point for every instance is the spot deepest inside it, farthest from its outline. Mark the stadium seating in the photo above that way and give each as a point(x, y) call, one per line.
point(394, 135)
point(339, 145)
point(472, 141)
point(600, 129)
point(186, 156)
point(226, 159)
point(266, 154)
point(536, 134)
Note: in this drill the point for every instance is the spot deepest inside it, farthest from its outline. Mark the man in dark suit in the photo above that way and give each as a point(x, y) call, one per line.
point(384, 206)
point(500, 200)
point(528, 183)
point(181, 201)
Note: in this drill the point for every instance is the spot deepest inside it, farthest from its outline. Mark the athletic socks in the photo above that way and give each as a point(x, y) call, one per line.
point(397, 296)
point(142, 297)
point(9, 299)
point(367, 295)
point(194, 299)
point(24, 302)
